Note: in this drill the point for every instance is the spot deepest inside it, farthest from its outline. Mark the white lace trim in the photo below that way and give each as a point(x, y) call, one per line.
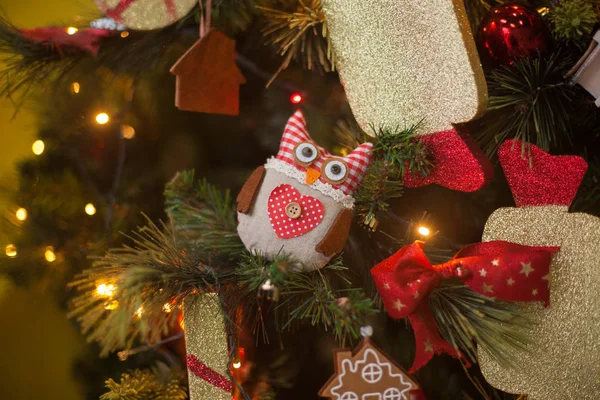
point(325, 188)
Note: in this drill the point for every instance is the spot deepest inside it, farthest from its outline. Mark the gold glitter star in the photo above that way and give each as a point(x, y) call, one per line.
point(398, 305)
point(488, 288)
point(534, 292)
point(526, 269)
point(546, 278)
point(428, 346)
point(495, 262)
point(482, 272)
point(510, 281)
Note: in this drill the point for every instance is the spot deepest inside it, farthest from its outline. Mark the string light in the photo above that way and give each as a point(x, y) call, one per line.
point(423, 231)
point(237, 364)
point(111, 305)
point(21, 214)
point(90, 209)
point(71, 30)
point(49, 254)
point(124, 34)
point(139, 312)
point(75, 87)
point(38, 147)
point(167, 308)
point(106, 290)
point(11, 250)
point(296, 98)
point(102, 118)
point(127, 131)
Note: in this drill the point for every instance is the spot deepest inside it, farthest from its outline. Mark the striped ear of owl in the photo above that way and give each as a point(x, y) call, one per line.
point(300, 202)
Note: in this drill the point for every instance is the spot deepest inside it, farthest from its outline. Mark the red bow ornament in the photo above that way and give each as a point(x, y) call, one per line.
point(501, 270)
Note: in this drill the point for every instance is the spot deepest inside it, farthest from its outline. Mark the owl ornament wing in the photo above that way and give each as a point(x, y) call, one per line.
point(405, 61)
point(300, 202)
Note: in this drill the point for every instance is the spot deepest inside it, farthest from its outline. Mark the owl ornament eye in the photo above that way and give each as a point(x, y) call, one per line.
point(334, 171)
point(306, 153)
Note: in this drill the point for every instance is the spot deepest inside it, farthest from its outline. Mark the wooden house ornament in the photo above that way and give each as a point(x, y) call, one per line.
point(208, 80)
point(368, 374)
point(587, 70)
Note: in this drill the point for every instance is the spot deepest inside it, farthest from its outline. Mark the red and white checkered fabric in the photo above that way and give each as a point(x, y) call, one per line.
point(358, 161)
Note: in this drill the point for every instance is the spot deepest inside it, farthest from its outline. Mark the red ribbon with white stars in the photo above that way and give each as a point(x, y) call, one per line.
point(500, 270)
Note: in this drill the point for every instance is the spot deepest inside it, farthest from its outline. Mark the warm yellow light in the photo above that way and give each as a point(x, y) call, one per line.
point(90, 209)
point(105, 290)
point(182, 324)
point(38, 147)
point(424, 231)
point(167, 308)
point(237, 364)
point(127, 131)
point(139, 312)
point(75, 87)
point(543, 11)
point(124, 34)
point(11, 250)
point(71, 30)
point(102, 118)
point(21, 214)
point(111, 305)
point(49, 254)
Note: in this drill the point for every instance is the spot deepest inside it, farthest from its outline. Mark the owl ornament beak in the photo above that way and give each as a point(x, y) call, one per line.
point(312, 175)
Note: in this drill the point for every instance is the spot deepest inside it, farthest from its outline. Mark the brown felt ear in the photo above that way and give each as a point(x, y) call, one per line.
point(247, 196)
point(335, 239)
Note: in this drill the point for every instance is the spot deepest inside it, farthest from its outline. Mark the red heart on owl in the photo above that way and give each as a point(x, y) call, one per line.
point(292, 214)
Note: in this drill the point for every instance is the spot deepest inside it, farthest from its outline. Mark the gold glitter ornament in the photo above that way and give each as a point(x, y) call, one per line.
point(403, 61)
point(563, 360)
point(206, 340)
point(146, 14)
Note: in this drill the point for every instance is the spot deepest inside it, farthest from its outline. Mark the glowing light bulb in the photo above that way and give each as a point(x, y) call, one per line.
point(90, 209)
point(71, 30)
point(111, 305)
point(124, 34)
point(296, 98)
point(106, 290)
point(102, 118)
point(167, 308)
point(139, 312)
point(237, 364)
point(49, 254)
point(21, 214)
point(424, 231)
point(127, 131)
point(11, 250)
point(38, 147)
point(75, 87)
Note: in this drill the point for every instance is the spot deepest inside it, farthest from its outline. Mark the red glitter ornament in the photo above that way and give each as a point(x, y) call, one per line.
point(511, 31)
point(208, 374)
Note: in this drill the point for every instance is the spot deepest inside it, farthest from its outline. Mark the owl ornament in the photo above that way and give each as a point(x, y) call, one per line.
point(563, 359)
point(300, 202)
point(405, 61)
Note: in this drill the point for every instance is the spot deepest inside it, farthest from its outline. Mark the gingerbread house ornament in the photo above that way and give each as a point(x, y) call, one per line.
point(368, 374)
point(208, 79)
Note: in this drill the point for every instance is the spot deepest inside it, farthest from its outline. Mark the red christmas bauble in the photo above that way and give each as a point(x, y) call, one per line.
point(511, 31)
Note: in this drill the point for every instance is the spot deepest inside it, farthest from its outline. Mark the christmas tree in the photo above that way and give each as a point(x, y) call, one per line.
point(396, 137)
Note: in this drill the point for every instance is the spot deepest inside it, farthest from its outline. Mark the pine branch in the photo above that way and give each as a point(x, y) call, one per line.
point(466, 318)
point(572, 21)
point(157, 383)
point(323, 296)
point(395, 152)
point(204, 217)
point(530, 101)
point(300, 32)
point(143, 284)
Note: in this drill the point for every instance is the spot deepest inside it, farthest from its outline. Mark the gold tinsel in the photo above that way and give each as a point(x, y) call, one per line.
point(206, 339)
point(402, 61)
point(564, 360)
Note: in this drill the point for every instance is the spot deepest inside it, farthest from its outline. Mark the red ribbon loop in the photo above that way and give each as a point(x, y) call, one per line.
point(498, 269)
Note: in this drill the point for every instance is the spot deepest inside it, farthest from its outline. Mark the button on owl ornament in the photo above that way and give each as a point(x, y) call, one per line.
point(300, 202)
